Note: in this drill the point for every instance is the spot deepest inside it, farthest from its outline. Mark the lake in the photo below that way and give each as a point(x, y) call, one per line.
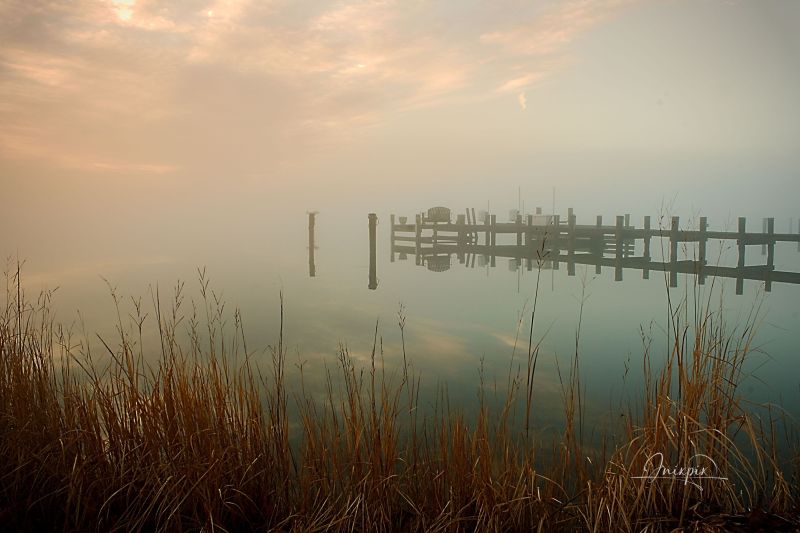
point(463, 311)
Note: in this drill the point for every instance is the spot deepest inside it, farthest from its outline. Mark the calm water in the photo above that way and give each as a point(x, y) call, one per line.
point(138, 144)
point(454, 319)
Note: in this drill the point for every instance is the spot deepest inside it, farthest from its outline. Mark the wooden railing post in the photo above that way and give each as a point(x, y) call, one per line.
point(701, 255)
point(556, 246)
point(474, 236)
point(618, 251)
point(528, 242)
point(418, 239)
point(770, 254)
point(599, 242)
point(494, 238)
point(461, 237)
point(647, 234)
point(740, 265)
point(673, 252)
point(571, 244)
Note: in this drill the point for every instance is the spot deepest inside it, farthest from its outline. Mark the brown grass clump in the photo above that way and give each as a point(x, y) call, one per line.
point(195, 442)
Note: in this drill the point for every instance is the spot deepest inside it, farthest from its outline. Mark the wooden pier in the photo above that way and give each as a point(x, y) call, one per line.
point(546, 241)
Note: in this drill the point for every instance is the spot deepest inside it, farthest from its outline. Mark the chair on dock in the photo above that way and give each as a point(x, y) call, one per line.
point(438, 214)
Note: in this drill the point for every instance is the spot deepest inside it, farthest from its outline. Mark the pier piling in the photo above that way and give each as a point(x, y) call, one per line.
point(373, 276)
point(312, 266)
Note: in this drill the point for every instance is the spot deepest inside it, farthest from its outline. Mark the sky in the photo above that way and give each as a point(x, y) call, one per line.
point(121, 120)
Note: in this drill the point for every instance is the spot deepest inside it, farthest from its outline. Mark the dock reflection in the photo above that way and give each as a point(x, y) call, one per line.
point(546, 242)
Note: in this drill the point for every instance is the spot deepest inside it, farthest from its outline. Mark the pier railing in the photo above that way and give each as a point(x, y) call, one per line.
point(548, 241)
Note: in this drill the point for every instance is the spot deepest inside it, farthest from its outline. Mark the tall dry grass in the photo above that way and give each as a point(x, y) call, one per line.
point(110, 442)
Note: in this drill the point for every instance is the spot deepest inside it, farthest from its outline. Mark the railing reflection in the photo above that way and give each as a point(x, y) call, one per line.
point(545, 241)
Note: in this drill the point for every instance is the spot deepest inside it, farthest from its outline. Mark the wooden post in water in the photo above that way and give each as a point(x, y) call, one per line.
point(468, 234)
point(494, 238)
point(520, 232)
point(770, 254)
point(418, 239)
point(673, 252)
point(701, 256)
point(618, 250)
point(528, 242)
point(571, 244)
point(474, 233)
point(312, 267)
point(556, 247)
point(373, 276)
point(627, 225)
point(391, 238)
point(538, 210)
point(487, 222)
point(740, 265)
point(646, 269)
point(764, 230)
point(461, 238)
point(529, 230)
point(599, 241)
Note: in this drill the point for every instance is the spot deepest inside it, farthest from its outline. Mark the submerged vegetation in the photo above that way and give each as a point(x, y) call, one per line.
point(203, 438)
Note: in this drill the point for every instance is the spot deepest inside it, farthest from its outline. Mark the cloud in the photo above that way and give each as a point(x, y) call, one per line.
point(523, 101)
point(542, 41)
point(548, 32)
point(150, 84)
point(525, 81)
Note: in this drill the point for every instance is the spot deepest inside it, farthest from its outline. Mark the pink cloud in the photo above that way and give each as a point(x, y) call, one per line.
point(317, 75)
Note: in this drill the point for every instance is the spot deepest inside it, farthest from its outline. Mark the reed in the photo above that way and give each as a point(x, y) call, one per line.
point(203, 438)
